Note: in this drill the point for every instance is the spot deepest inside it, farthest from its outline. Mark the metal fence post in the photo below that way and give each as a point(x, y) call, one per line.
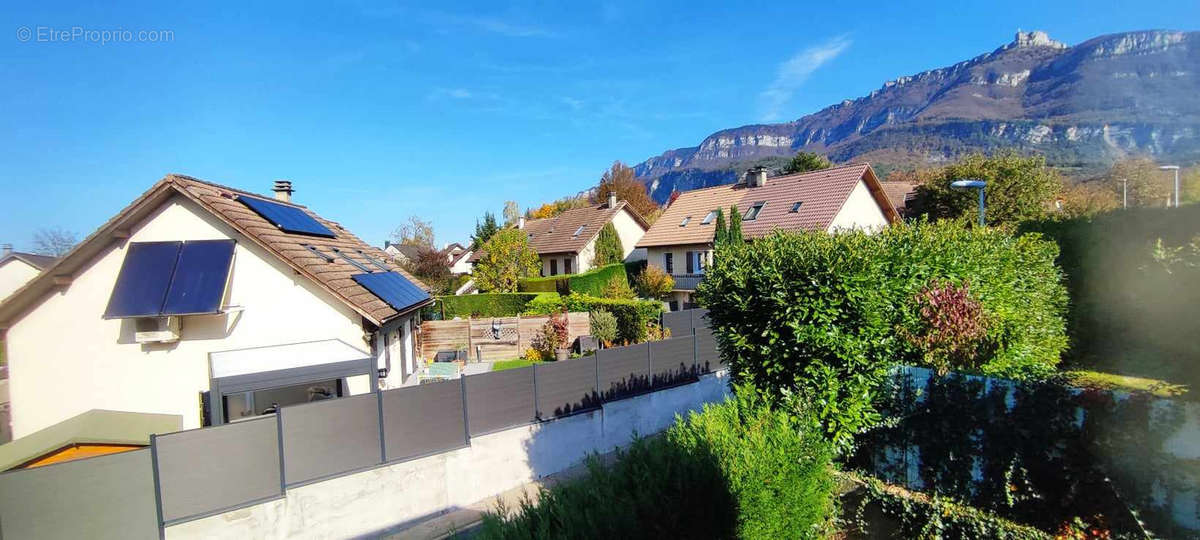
point(462, 379)
point(533, 373)
point(162, 530)
point(382, 440)
point(279, 438)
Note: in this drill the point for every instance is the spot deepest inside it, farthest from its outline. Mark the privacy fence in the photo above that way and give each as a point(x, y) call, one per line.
point(488, 339)
point(188, 475)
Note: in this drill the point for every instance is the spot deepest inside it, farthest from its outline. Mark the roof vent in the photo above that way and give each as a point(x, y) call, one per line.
point(756, 177)
point(283, 190)
point(7, 249)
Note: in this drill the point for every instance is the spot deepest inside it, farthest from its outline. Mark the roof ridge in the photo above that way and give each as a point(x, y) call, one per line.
point(176, 176)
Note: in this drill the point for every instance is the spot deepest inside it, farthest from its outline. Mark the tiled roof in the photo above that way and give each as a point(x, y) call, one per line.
point(558, 234)
point(41, 262)
point(822, 194)
point(900, 193)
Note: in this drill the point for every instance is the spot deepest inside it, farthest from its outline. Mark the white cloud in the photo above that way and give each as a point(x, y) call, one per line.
point(794, 71)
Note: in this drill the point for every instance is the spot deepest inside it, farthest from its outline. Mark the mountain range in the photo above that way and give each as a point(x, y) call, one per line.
point(1082, 106)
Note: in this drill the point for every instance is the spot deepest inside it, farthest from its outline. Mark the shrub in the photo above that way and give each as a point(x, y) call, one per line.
point(655, 283)
point(819, 312)
point(594, 281)
point(552, 336)
point(608, 247)
point(603, 326)
point(543, 284)
point(917, 516)
point(544, 304)
point(485, 305)
point(618, 287)
point(951, 326)
point(633, 316)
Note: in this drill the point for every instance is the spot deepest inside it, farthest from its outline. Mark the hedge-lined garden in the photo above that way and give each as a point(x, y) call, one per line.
point(591, 282)
point(489, 304)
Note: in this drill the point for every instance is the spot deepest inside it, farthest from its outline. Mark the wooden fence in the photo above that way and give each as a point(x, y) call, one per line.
point(491, 338)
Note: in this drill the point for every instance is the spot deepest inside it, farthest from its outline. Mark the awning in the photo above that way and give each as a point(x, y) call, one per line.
point(279, 357)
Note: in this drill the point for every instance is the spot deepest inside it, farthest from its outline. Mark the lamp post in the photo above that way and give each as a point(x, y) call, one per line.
point(973, 184)
point(1124, 193)
point(1176, 169)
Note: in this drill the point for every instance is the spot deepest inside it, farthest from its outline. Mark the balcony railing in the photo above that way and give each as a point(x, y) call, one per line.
point(687, 282)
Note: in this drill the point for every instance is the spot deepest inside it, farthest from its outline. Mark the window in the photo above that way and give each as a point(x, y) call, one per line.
point(796, 207)
point(695, 262)
point(553, 267)
point(668, 263)
point(567, 265)
point(752, 213)
point(685, 221)
point(709, 218)
point(579, 231)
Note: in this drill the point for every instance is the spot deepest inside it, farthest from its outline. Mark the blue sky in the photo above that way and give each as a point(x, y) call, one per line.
point(377, 111)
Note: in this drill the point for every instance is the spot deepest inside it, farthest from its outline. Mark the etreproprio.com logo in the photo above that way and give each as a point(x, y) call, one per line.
point(102, 36)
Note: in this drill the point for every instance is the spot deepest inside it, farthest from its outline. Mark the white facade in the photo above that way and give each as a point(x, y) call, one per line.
point(461, 266)
point(861, 211)
point(628, 230)
point(13, 274)
point(64, 359)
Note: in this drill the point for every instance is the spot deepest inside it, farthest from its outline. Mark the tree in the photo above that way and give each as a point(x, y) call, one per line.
point(511, 212)
point(1019, 188)
point(1190, 188)
point(1147, 186)
point(415, 232)
point(618, 288)
point(608, 247)
point(1088, 199)
point(720, 230)
point(620, 179)
point(551, 209)
point(53, 241)
point(507, 257)
point(430, 265)
point(484, 230)
point(655, 283)
point(734, 235)
point(603, 326)
point(805, 162)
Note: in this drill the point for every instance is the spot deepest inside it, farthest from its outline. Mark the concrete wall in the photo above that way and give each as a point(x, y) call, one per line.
point(384, 498)
point(65, 360)
point(861, 211)
point(13, 274)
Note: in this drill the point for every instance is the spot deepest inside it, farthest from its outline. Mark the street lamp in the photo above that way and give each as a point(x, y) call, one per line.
point(1176, 169)
point(973, 184)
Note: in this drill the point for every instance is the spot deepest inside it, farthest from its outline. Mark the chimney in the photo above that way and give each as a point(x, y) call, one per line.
point(283, 190)
point(7, 250)
point(612, 199)
point(756, 177)
point(521, 222)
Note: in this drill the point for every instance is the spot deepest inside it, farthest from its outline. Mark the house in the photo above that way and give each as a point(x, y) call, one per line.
point(566, 243)
point(458, 258)
point(401, 253)
point(16, 269)
point(901, 194)
point(839, 198)
point(211, 304)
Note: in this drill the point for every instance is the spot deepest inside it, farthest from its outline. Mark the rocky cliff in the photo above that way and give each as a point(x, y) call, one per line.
point(1082, 106)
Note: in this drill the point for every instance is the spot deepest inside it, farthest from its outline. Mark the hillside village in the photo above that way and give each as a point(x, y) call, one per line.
point(808, 346)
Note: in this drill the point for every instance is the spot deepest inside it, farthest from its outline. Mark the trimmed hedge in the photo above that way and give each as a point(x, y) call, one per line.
point(591, 282)
point(491, 304)
point(633, 316)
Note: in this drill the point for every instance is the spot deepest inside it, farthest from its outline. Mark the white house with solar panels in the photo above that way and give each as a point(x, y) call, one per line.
point(203, 304)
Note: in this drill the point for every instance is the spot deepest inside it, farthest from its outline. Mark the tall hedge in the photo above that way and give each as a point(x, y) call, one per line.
point(826, 313)
point(1133, 299)
point(633, 316)
point(489, 304)
point(591, 282)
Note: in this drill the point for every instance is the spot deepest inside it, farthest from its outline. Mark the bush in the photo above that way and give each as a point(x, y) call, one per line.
point(543, 284)
point(551, 337)
point(618, 287)
point(917, 516)
point(777, 465)
point(489, 304)
point(633, 316)
point(655, 283)
point(603, 326)
point(608, 248)
point(823, 313)
point(544, 304)
point(594, 281)
point(735, 470)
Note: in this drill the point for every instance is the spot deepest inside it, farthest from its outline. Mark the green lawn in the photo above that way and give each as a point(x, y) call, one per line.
point(513, 364)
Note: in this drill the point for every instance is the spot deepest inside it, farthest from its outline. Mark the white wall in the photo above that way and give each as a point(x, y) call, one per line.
point(462, 266)
point(13, 274)
point(654, 256)
point(65, 360)
point(630, 232)
point(378, 500)
point(861, 211)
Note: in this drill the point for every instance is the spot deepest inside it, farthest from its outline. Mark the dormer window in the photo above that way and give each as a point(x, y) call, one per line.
point(709, 218)
point(752, 213)
point(796, 207)
point(685, 221)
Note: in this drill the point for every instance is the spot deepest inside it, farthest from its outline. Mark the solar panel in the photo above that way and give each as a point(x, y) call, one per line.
point(143, 281)
point(392, 288)
point(287, 218)
point(200, 276)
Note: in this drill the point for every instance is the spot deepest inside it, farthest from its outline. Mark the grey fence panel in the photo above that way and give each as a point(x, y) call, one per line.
point(623, 371)
point(423, 419)
point(330, 437)
point(98, 498)
point(707, 356)
point(679, 322)
point(672, 361)
point(566, 387)
point(204, 471)
point(699, 318)
point(499, 400)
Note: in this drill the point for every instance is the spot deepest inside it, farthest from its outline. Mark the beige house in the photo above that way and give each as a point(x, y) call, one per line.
point(211, 304)
point(839, 198)
point(566, 243)
point(17, 269)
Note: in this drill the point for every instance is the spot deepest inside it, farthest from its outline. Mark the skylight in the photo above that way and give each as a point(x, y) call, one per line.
point(796, 207)
point(752, 213)
point(709, 218)
point(685, 221)
point(578, 231)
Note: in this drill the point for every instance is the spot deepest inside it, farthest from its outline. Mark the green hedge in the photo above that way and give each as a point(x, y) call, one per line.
point(591, 282)
point(489, 304)
point(915, 516)
point(735, 470)
point(633, 316)
point(826, 312)
point(1132, 312)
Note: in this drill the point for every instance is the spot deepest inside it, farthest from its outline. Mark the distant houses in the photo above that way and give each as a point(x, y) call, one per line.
point(17, 269)
point(680, 242)
point(207, 304)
